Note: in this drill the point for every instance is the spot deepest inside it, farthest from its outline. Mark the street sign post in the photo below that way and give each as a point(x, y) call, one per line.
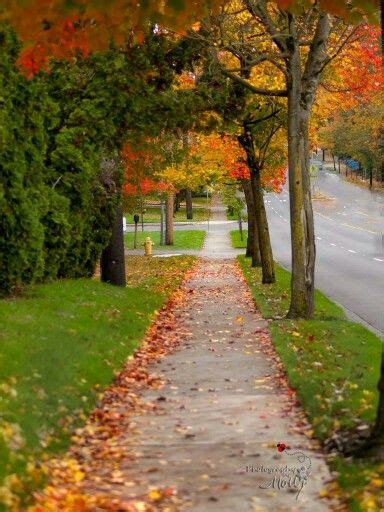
point(136, 219)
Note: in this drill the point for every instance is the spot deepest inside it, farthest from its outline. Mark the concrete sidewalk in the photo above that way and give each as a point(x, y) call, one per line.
point(215, 424)
point(223, 409)
point(217, 242)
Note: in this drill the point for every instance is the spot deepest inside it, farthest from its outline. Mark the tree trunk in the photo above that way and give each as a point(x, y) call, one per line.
point(142, 216)
point(266, 256)
point(162, 230)
point(378, 431)
point(267, 265)
point(112, 258)
point(334, 161)
point(302, 227)
point(188, 203)
point(253, 249)
point(373, 447)
point(301, 213)
point(177, 201)
point(169, 219)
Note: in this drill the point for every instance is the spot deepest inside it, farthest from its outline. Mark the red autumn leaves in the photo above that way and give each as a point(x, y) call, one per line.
point(70, 39)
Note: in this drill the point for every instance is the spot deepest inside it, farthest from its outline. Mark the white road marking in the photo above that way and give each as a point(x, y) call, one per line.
point(377, 259)
point(360, 229)
point(342, 224)
point(324, 216)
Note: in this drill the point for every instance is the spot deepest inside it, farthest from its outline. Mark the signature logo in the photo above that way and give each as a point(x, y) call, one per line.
point(290, 476)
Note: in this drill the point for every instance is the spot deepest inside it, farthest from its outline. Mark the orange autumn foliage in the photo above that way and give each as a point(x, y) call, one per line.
point(136, 162)
point(356, 76)
point(52, 28)
point(272, 178)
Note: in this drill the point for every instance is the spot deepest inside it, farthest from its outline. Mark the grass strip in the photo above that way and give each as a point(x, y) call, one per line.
point(153, 214)
point(236, 240)
point(60, 346)
point(333, 364)
point(188, 239)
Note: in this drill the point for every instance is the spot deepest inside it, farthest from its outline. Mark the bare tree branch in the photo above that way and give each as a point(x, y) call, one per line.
point(341, 47)
point(262, 119)
point(263, 92)
point(264, 147)
point(259, 10)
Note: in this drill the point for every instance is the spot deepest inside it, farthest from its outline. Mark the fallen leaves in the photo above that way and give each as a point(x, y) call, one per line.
point(367, 494)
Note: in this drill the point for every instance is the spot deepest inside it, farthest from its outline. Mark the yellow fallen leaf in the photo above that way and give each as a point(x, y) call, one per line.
point(140, 506)
point(369, 504)
point(154, 495)
point(377, 482)
point(323, 493)
point(78, 476)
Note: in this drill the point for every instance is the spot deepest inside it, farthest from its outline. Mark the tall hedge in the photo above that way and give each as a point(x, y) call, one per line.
point(59, 180)
point(23, 142)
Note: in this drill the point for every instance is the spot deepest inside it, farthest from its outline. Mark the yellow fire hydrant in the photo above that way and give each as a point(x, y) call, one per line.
point(148, 244)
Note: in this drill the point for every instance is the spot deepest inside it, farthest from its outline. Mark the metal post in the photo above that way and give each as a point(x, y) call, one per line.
point(136, 220)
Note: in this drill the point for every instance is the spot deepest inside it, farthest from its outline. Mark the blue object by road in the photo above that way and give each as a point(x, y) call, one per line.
point(352, 164)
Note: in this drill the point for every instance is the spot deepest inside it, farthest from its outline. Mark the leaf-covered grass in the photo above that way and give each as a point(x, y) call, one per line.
point(236, 240)
point(60, 345)
point(188, 239)
point(153, 214)
point(333, 364)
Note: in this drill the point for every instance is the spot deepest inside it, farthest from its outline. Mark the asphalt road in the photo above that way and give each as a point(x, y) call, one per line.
point(349, 227)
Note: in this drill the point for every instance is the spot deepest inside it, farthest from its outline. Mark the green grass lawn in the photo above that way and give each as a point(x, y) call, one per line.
point(202, 201)
point(333, 364)
point(60, 345)
point(190, 239)
point(237, 243)
point(153, 214)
